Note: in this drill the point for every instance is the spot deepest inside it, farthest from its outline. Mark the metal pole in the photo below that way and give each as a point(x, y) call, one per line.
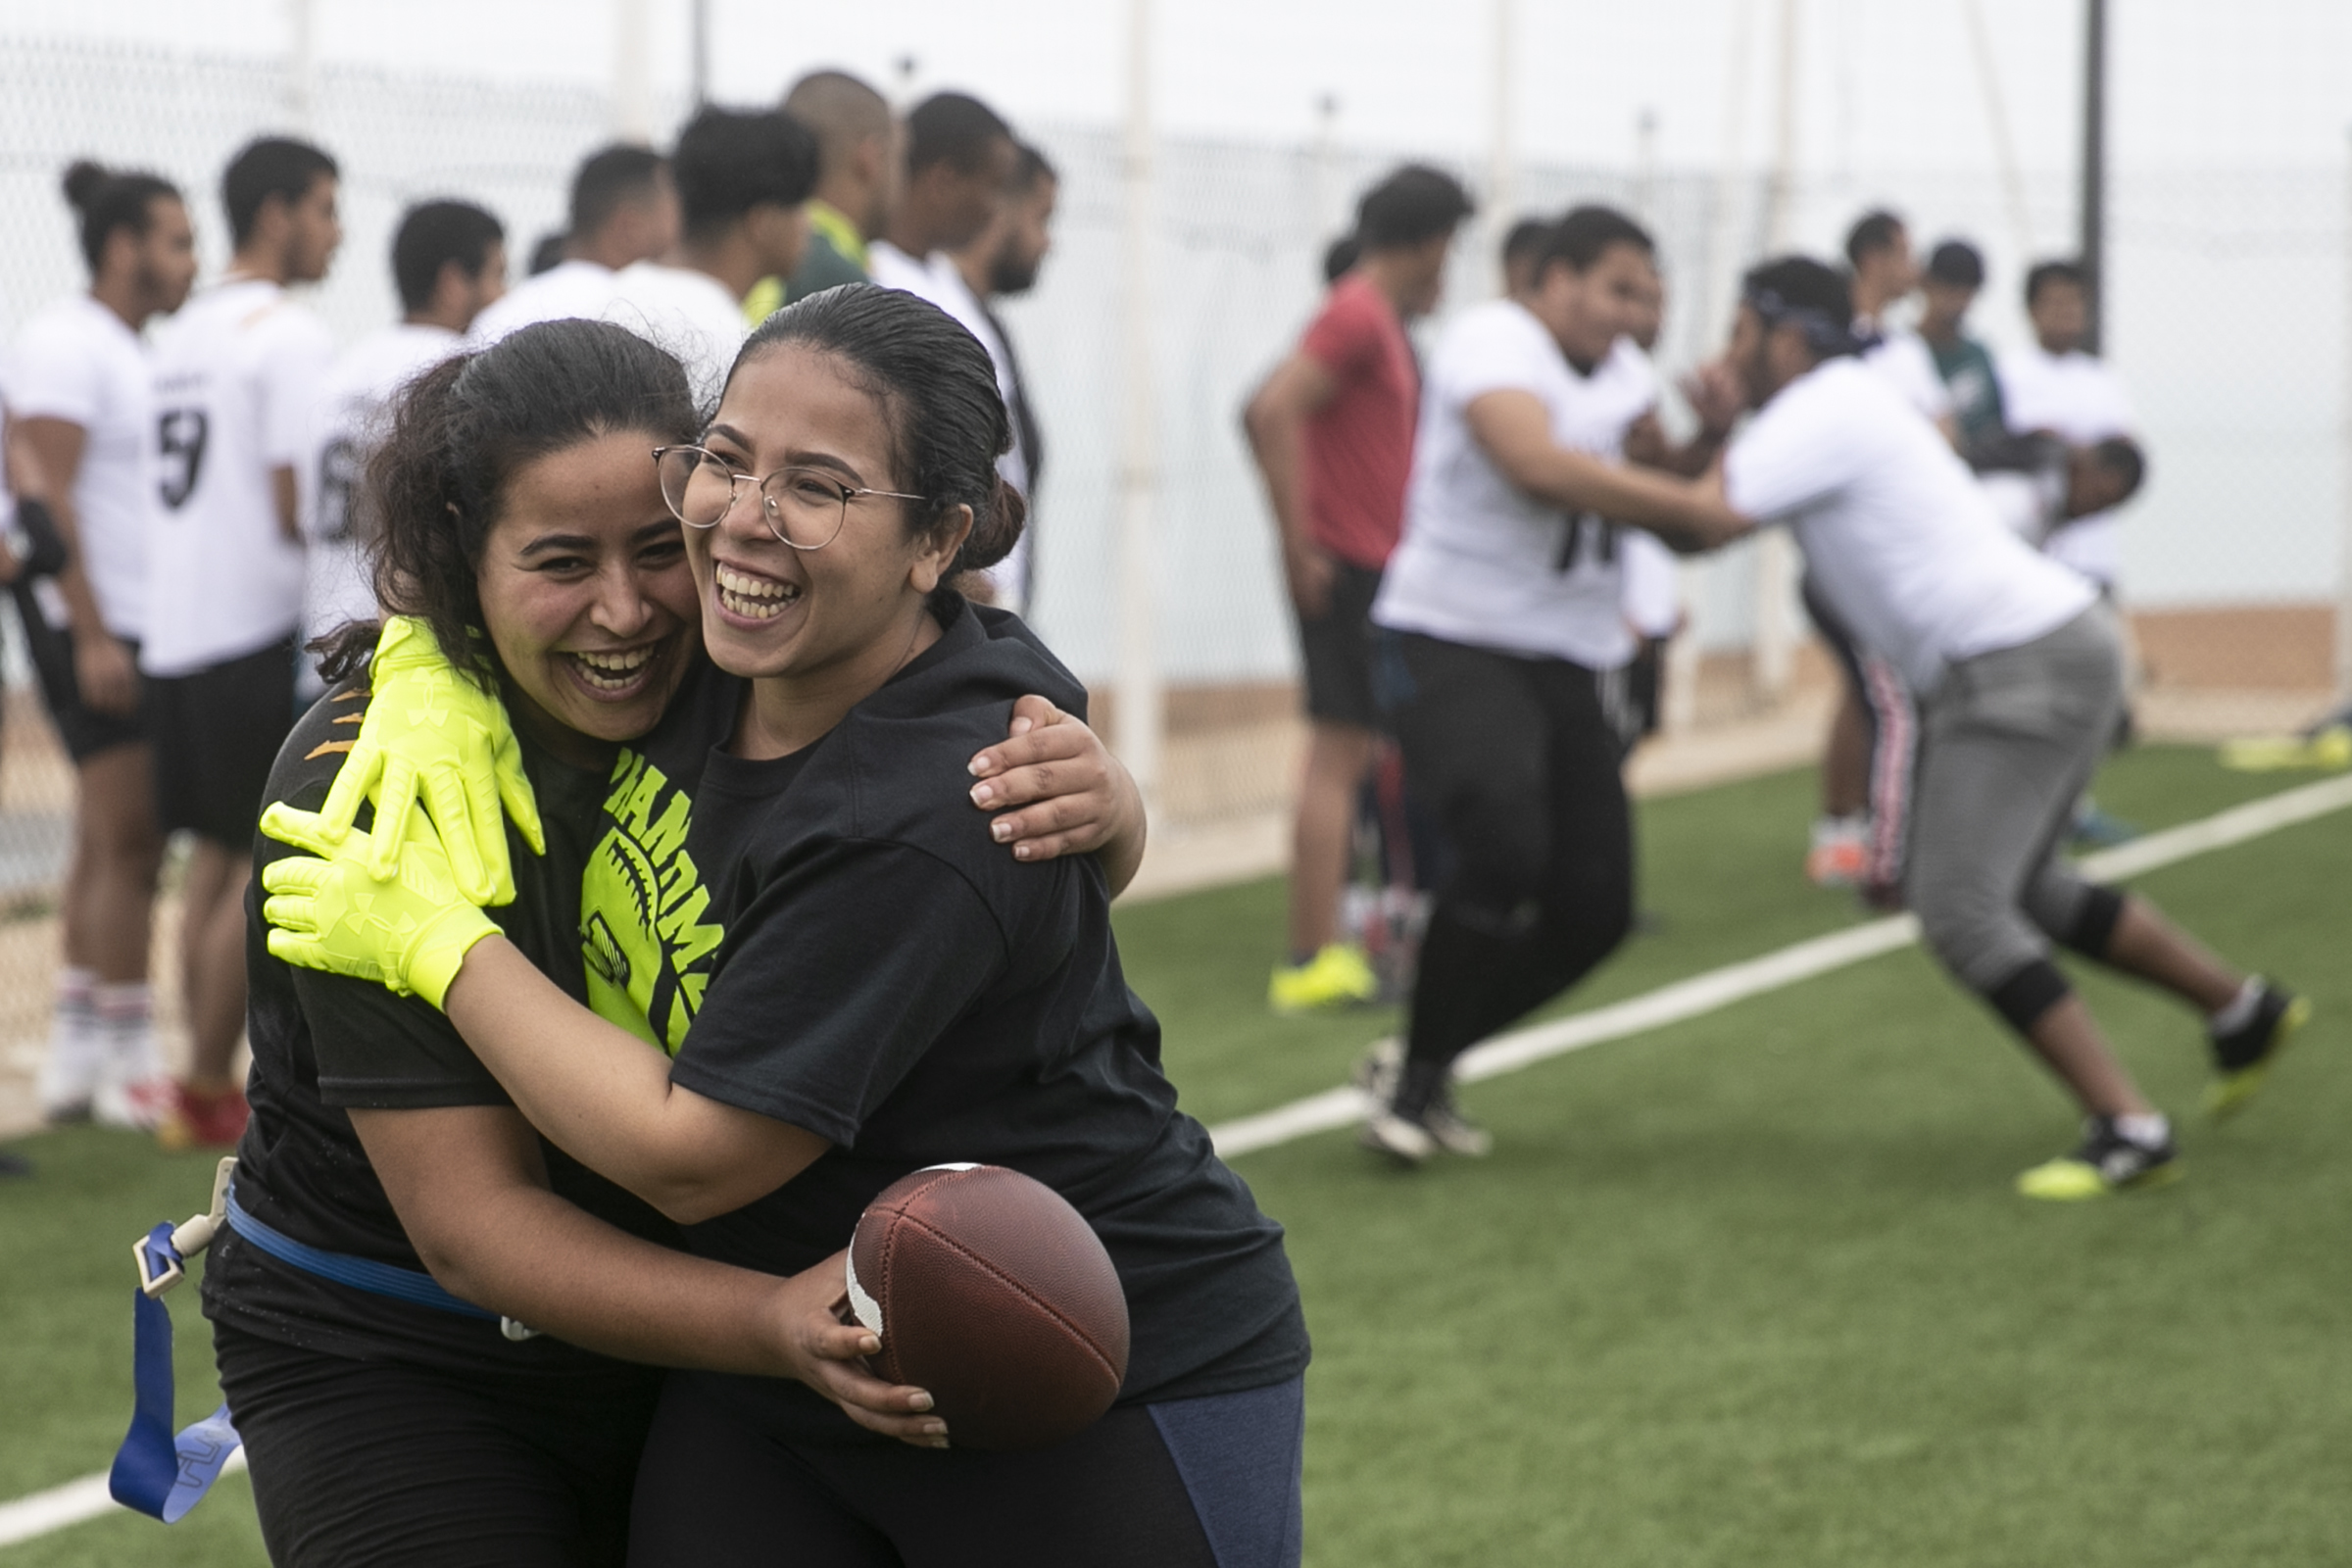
point(1776, 560)
point(1139, 718)
point(633, 79)
point(2344, 580)
point(302, 64)
point(1503, 159)
point(2094, 165)
point(1326, 218)
point(699, 15)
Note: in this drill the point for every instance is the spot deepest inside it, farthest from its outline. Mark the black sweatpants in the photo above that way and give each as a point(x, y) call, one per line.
point(1520, 762)
point(364, 1463)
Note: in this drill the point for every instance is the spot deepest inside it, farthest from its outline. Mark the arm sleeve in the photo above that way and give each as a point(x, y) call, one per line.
point(293, 375)
point(1345, 337)
point(53, 378)
point(834, 981)
point(1786, 460)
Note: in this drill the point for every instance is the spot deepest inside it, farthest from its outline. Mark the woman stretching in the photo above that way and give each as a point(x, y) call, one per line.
point(866, 986)
point(388, 1417)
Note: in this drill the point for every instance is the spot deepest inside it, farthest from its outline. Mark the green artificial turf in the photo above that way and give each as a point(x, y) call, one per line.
point(1751, 1290)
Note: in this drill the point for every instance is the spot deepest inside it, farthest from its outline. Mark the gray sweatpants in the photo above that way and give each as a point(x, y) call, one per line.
point(2011, 739)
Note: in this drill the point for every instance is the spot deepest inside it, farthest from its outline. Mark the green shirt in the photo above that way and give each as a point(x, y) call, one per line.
point(1966, 366)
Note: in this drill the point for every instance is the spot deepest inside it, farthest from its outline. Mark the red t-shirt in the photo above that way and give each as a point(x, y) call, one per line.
point(1359, 446)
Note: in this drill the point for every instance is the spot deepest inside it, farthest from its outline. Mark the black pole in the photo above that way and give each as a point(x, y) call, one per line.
point(2093, 257)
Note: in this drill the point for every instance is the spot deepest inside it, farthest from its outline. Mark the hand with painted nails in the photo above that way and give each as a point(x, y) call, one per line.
point(828, 1353)
point(434, 736)
point(1057, 790)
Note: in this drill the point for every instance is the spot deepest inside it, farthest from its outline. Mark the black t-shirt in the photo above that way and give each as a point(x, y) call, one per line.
point(856, 956)
point(324, 1043)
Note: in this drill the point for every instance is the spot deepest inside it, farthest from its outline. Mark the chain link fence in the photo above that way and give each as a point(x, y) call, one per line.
point(2225, 315)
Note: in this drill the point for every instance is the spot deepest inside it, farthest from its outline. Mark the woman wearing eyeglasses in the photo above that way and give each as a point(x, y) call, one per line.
point(390, 1204)
point(848, 985)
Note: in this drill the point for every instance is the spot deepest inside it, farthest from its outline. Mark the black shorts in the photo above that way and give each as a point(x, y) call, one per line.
point(217, 734)
point(381, 1462)
point(1337, 645)
point(1187, 1483)
point(83, 730)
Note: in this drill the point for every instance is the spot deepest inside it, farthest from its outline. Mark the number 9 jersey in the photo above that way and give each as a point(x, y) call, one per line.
point(237, 372)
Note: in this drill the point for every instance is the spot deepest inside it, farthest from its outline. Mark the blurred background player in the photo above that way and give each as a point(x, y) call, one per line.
point(2040, 486)
point(859, 167)
point(1003, 262)
point(741, 177)
point(1500, 614)
point(81, 401)
point(623, 211)
point(1955, 272)
point(2056, 385)
point(2018, 666)
point(449, 262)
point(1885, 275)
point(1519, 248)
point(237, 374)
point(1331, 430)
point(959, 156)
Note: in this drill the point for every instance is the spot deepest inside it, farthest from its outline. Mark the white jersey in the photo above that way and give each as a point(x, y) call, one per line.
point(566, 291)
point(80, 363)
point(1481, 561)
point(235, 377)
point(690, 313)
point(347, 422)
point(2078, 397)
point(1903, 358)
point(939, 281)
point(1896, 532)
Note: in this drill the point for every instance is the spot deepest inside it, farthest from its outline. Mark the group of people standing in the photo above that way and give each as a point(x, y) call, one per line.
point(1463, 588)
point(201, 453)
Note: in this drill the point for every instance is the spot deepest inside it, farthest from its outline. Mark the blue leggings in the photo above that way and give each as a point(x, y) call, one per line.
point(1206, 1483)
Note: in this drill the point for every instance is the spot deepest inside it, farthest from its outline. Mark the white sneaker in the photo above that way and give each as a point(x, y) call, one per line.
point(133, 1089)
point(1455, 1133)
point(1406, 1141)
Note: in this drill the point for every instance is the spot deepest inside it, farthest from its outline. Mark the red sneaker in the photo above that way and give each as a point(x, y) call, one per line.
point(202, 1118)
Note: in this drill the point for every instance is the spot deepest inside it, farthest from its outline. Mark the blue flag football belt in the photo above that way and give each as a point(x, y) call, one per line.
point(164, 1475)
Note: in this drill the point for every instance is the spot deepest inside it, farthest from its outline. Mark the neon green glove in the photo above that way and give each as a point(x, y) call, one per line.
point(433, 736)
point(409, 933)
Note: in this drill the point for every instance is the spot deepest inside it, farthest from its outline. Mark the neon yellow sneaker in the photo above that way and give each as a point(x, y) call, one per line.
point(1339, 976)
point(2107, 1162)
point(2242, 1057)
point(2329, 750)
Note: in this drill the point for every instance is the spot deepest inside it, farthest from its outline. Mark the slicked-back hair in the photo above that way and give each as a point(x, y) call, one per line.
point(953, 129)
point(608, 179)
point(1584, 235)
point(2046, 273)
point(729, 160)
point(1411, 206)
point(1873, 232)
point(841, 110)
point(937, 389)
point(433, 234)
point(272, 166)
point(104, 200)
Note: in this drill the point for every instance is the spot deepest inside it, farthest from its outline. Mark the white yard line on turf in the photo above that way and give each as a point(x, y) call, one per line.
point(86, 1498)
point(68, 1505)
point(1720, 988)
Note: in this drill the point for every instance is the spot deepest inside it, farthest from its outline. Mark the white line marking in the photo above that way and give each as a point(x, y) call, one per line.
point(70, 1504)
point(1720, 988)
point(1717, 989)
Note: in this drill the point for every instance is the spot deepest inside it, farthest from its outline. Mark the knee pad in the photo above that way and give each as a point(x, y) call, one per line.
point(2095, 923)
point(2027, 994)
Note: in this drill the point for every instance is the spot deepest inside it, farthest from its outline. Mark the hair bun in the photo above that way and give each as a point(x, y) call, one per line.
point(996, 530)
point(83, 182)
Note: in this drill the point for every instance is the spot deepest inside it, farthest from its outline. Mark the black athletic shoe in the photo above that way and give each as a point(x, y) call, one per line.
point(2242, 1057)
point(2106, 1162)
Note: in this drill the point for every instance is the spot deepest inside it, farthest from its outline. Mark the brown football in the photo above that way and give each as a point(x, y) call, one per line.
point(991, 1291)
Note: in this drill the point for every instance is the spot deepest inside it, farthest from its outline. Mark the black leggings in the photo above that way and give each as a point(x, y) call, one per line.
point(717, 1492)
point(378, 1462)
point(1521, 764)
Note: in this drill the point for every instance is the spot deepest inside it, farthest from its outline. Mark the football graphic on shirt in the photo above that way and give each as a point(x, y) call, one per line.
point(991, 1293)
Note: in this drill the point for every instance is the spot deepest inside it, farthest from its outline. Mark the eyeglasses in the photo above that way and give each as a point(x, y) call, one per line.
point(805, 507)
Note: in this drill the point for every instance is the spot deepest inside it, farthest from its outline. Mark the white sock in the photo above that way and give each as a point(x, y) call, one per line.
point(74, 1007)
point(2239, 1012)
point(127, 1023)
point(2148, 1129)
